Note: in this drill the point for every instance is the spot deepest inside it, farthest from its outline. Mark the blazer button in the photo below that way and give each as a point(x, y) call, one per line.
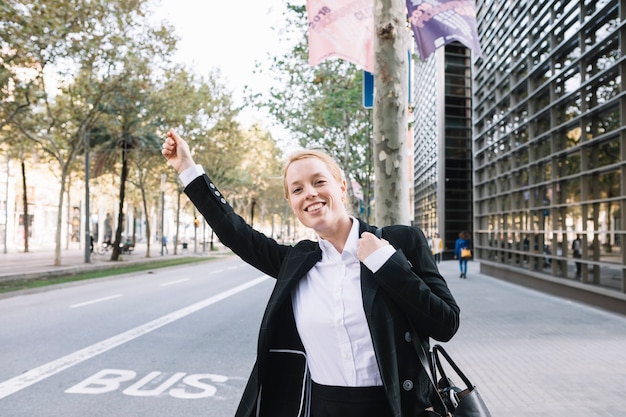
point(407, 385)
point(407, 337)
point(212, 185)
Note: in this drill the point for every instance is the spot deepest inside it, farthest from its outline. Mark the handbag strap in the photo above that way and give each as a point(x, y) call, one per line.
point(438, 349)
point(421, 353)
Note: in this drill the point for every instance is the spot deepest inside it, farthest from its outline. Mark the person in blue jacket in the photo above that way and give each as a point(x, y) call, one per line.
point(463, 242)
point(348, 311)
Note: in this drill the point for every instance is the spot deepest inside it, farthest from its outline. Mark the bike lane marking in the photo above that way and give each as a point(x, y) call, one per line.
point(18, 383)
point(167, 284)
point(97, 300)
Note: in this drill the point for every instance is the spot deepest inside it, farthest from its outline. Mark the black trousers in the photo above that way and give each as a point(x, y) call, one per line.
point(331, 401)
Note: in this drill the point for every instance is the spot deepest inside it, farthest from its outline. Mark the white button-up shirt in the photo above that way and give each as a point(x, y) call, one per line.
point(328, 308)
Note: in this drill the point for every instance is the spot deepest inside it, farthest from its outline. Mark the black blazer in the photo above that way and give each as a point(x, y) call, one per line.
point(406, 302)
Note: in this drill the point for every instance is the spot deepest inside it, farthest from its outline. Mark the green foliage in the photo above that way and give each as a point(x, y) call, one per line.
point(71, 68)
point(321, 107)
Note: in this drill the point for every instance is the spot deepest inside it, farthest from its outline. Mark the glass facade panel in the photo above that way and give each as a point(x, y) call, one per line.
point(549, 131)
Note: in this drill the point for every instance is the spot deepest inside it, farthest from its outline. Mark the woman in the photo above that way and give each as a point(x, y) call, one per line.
point(463, 242)
point(340, 330)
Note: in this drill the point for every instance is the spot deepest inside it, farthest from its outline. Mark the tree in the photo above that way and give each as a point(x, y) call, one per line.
point(390, 113)
point(59, 133)
point(321, 107)
point(201, 109)
point(89, 59)
point(25, 52)
point(32, 35)
point(260, 175)
point(128, 127)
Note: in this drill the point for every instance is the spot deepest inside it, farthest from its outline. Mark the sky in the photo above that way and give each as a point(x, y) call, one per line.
point(230, 35)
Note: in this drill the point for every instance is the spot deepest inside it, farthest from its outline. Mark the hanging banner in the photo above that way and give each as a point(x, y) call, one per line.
point(436, 23)
point(343, 29)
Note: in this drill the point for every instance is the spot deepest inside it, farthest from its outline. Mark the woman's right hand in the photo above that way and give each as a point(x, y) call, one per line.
point(177, 152)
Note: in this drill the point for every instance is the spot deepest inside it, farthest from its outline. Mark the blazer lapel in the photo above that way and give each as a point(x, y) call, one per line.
point(302, 260)
point(299, 264)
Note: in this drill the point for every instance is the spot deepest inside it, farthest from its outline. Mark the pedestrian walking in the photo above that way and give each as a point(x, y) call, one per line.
point(437, 247)
point(348, 311)
point(462, 252)
point(164, 244)
point(577, 247)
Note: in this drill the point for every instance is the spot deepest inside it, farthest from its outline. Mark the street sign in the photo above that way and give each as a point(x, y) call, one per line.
point(368, 86)
point(368, 89)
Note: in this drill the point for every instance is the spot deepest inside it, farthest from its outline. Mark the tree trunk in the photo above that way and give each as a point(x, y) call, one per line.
point(25, 204)
point(391, 162)
point(68, 214)
point(135, 214)
point(57, 237)
point(179, 191)
point(120, 216)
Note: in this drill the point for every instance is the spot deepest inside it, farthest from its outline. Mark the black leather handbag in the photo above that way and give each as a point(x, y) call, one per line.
point(453, 400)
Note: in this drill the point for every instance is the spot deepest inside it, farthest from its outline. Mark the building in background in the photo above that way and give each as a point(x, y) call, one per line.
point(549, 112)
point(528, 152)
point(42, 193)
point(442, 144)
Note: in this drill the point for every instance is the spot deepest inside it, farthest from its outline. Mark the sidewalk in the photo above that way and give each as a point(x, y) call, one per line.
point(527, 352)
point(534, 354)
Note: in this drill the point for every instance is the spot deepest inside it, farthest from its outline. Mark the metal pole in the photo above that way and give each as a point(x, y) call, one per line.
point(203, 237)
point(87, 220)
point(163, 177)
point(195, 232)
point(6, 207)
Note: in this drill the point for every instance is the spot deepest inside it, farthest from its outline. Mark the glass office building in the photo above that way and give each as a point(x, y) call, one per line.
point(549, 144)
point(442, 144)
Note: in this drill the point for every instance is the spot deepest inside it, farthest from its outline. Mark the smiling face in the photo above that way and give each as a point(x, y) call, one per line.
point(315, 195)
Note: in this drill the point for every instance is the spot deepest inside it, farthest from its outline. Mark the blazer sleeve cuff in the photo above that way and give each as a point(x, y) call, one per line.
point(377, 259)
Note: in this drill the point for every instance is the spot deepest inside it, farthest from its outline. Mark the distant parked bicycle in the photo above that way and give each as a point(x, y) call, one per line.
point(104, 247)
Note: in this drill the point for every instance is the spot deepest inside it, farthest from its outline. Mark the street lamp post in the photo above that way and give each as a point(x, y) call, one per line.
point(163, 176)
point(87, 217)
point(6, 206)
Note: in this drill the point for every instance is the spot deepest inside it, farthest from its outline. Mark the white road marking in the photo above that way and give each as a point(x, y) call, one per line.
point(18, 383)
point(166, 284)
point(99, 300)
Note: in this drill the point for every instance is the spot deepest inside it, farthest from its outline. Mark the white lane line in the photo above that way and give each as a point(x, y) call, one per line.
point(166, 284)
point(18, 383)
point(98, 300)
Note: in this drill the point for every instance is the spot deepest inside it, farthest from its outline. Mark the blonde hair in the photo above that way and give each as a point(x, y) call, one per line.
point(331, 164)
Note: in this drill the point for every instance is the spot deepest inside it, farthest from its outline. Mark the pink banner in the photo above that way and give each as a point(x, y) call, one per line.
point(342, 29)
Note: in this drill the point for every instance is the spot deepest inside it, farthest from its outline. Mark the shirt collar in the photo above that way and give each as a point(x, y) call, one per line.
point(349, 250)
